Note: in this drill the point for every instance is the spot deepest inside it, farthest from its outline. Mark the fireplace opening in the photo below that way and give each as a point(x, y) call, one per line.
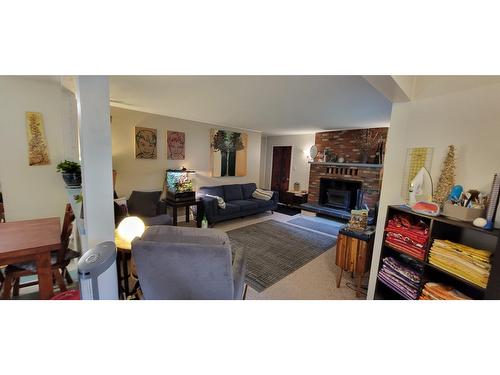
point(340, 194)
point(338, 199)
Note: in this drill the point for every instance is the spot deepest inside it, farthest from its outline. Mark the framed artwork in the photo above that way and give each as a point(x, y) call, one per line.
point(145, 143)
point(176, 142)
point(228, 153)
point(38, 153)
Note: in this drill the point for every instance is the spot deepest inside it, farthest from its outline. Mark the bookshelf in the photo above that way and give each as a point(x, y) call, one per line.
point(443, 228)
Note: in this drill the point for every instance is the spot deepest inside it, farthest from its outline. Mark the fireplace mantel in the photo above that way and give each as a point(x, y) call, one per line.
point(358, 165)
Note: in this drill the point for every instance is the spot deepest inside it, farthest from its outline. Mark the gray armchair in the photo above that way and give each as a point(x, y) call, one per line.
point(188, 263)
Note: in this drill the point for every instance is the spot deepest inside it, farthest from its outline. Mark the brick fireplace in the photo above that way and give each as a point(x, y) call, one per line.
point(369, 177)
point(362, 181)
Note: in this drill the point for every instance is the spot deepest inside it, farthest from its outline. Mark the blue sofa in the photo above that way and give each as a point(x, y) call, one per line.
point(239, 202)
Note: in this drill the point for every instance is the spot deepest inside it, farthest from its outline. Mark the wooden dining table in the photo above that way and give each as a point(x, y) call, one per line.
point(32, 240)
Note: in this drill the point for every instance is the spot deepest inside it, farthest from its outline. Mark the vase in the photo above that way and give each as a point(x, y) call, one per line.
point(72, 179)
point(364, 157)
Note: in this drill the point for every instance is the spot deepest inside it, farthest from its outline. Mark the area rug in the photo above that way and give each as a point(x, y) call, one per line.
point(275, 249)
point(318, 224)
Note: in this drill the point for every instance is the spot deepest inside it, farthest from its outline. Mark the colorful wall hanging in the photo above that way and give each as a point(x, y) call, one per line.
point(228, 153)
point(38, 153)
point(145, 143)
point(176, 142)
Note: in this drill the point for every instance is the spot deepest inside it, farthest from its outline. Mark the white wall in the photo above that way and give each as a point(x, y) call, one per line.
point(32, 192)
point(299, 169)
point(263, 162)
point(444, 111)
point(137, 174)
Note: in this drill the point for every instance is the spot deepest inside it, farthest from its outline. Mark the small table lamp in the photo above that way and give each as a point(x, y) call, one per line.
point(130, 228)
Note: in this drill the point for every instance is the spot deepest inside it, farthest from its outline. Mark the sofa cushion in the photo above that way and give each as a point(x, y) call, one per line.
point(232, 192)
point(230, 208)
point(245, 204)
point(220, 200)
point(143, 203)
point(260, 203)
point(248, 189)
point(164, 219)
point(265, 195)
point(217, 191)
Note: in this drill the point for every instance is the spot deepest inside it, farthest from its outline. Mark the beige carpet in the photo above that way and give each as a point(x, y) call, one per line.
point(314, 281)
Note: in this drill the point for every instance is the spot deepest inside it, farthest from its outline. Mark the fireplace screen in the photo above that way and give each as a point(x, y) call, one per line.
point(338, 198)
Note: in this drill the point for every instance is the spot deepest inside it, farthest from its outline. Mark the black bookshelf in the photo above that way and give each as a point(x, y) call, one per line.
point(443, 228)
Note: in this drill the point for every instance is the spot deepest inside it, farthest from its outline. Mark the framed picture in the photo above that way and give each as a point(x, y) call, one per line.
point(176, 142)
point(228, 153)
point(145, 143)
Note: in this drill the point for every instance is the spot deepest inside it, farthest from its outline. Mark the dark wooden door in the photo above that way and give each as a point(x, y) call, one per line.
point(280, 178)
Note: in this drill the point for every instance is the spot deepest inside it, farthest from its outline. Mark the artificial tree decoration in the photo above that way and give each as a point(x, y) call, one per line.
point(367, 141)
point(446, 179)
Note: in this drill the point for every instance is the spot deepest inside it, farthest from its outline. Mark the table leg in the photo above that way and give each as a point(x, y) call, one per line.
point(125, 276)
point(174, 211)
point(187, 214)
point(358, 284)
point(340, 277)
point(44, 275)
point(119, 274)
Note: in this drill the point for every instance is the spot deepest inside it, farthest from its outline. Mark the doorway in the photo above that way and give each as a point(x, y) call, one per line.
point(280, 177)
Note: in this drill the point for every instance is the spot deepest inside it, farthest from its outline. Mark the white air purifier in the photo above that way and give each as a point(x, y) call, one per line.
point(97, 273)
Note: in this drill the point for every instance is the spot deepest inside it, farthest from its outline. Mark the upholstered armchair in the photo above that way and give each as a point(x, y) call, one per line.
point(188, 263)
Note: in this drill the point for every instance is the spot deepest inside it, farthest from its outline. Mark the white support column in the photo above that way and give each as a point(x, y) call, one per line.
point(94, 129)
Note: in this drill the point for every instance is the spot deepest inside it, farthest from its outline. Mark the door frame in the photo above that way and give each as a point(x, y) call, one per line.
point(272, 160)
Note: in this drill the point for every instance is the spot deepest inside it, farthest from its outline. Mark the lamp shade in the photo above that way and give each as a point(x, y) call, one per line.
point(130, 228)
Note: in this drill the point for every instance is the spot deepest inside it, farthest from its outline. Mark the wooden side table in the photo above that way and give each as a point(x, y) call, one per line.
point(354, 253)
point(294, 198)
point(175, 205)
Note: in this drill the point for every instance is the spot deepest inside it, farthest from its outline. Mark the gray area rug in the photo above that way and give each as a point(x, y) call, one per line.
point(275, 249)
point(318, 224)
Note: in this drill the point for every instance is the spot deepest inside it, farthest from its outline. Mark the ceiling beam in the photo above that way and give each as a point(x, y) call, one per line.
point(395, 88)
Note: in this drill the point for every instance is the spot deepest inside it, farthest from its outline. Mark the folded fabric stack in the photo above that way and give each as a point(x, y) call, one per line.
point(467, 262)
point(433, 291)
point(407, 237)
point(401, 278)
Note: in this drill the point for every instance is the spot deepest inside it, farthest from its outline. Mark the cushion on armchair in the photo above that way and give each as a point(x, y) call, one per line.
point(143, 203)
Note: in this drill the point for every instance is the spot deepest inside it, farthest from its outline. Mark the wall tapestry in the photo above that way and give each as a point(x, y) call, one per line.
point(176, 142)
point(228, 153)
point(145, 143)
point(37, 145)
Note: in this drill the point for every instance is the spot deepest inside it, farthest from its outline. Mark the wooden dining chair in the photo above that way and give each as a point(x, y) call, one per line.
point(2, 213)
point(60, 259)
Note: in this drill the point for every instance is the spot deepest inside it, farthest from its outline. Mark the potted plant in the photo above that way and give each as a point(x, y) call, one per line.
point(71, 173)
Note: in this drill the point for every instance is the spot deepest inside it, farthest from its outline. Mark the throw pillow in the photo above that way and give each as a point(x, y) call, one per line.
point(220, 201)
point(264, 195)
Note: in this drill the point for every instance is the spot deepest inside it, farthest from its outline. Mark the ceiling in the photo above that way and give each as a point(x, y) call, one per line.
point(274, 105)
